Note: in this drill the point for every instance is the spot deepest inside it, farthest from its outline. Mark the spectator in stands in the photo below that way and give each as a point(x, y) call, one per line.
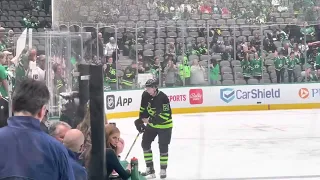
point(240, 53)
point(34, 71)
point(111, 48)
point(85, 128)
point(30, 21)
point(58, 130)
point(197, 73)
point(256, 41)
point(287, 49)
point(156, 68)
point(317, 62)
point(257, 66)
point(292, 61)
point(250, 48)
point(204, 8)
point(73, 141)
point(111, 74)
point(170, 72)
point(279, 63)
point(4, 90)
point(190, 50)
point(225, 53)
point(297, 51)
point(11, 40)
point(215, 8)
point(180, 50)
point(97, 46)
point(309, 75)
point(312, 57)
point(32, 152)
point(171, 50)
point(58, 80)
point(151, 5)
point(214, 71)
point(129, 76)
point(3, 39)
point(246, 67)
point(143, 65)
point(9, 56)
point(202, 48)
point(268, 43)
point(185, 72)
point(42, 62)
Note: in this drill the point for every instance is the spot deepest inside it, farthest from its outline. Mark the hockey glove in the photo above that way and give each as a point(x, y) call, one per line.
point(139, 125)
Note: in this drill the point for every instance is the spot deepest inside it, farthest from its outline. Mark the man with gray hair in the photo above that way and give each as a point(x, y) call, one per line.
point(58, 130)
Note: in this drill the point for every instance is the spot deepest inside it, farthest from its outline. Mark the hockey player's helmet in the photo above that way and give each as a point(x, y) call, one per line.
point(152, 83)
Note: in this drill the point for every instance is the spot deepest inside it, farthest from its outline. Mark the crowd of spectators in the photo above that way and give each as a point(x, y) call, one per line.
point(222, 43)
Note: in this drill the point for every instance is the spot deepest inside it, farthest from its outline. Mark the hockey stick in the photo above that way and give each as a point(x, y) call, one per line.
point(134, 142)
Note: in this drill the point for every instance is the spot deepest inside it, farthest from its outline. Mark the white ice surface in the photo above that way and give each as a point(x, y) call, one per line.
point(244, 145)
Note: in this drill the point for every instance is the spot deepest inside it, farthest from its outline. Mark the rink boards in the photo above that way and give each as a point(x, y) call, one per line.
point(126, 103)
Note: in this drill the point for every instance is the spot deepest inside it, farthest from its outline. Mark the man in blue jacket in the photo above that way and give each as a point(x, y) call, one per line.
point(26, 151)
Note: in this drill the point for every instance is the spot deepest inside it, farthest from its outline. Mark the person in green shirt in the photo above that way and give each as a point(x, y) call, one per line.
point(317, 62)
point(4, 111)
point(309, 75)
point(313, 77)
point(279, 63)
point(111, 74)
point(311, 60)
point(3, 76)
point(257, 66)
point(129, 76)
point(246, 68)
point(292, 61)
point(214, 71)
point(185, 71)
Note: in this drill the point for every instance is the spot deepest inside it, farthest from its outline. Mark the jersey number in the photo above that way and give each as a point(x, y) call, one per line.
point(35, 76)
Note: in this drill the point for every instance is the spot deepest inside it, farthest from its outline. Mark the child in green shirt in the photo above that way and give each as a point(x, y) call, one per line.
point(246, 68)
point(292, 61)
point(279, 63)
point(256, 64)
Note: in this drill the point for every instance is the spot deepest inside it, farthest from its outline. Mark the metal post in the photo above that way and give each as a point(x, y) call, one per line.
point(136, 40)
point(116, 38)
point(97, 32)
point(183, 55)
point(67, 61)
point(261, 50)
point(208, 45)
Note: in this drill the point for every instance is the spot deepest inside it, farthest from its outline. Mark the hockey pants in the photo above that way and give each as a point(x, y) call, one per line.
point(164, 137)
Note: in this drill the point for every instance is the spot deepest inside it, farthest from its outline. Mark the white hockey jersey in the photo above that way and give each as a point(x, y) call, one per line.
point(35, 72)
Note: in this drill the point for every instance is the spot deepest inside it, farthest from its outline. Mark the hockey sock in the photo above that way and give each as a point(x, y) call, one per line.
point(163, 160)
point(148, 158)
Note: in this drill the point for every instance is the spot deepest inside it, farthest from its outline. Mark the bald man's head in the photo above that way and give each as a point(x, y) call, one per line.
point(73, 140)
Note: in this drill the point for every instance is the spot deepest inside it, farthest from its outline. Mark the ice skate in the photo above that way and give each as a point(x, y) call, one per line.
point(163, 174)
point(149, 174)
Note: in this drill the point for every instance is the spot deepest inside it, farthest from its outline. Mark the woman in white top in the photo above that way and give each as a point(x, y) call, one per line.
point(197, 73)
